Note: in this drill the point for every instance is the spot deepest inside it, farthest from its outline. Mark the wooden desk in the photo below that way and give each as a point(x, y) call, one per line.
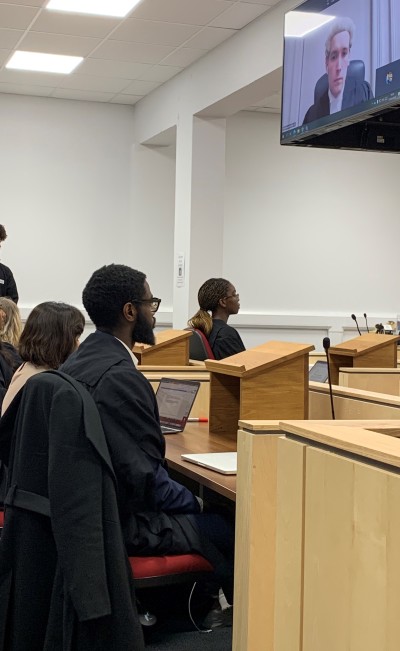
point(196, 438)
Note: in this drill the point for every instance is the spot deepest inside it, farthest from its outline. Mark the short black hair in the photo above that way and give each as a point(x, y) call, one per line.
point(3, 233)
point(108, 290)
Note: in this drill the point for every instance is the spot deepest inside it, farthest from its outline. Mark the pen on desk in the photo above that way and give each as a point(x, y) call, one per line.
point(202, 419)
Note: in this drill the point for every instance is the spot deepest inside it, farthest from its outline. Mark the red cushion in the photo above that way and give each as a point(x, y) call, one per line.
point(150, 566)
point(1, 518)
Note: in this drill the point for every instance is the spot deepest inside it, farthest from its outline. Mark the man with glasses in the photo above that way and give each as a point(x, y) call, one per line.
point(158, 515)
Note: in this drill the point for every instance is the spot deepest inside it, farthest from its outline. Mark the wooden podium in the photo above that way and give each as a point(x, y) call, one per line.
point(171, 348)
point(367, 351)
point(268, 382)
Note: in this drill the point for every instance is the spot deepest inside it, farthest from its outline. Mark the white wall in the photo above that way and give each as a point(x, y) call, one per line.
point(65, 192)
point(310, 236)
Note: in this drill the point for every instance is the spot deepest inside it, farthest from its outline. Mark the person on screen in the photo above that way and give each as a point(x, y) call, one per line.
point(343, 91)
point(219, 297)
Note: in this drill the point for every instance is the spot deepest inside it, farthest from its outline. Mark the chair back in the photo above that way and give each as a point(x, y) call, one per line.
point(356, 69)
point(199, 347)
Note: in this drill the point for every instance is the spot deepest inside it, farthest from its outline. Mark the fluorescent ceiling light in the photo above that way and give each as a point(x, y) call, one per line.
point(118, 8)
point(300, 23)
point(41, 62)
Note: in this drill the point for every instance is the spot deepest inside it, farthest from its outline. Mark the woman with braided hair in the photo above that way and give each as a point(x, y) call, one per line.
point(218, 297)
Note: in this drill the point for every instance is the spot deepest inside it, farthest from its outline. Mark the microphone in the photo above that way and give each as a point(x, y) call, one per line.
point(327, 344)
point(366, 322)
point(353, 316)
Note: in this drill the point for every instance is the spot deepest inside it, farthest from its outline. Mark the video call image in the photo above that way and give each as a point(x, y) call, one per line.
point(341, 67)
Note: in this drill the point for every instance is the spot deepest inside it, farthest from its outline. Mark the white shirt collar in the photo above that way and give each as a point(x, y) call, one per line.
point(134, 359)
point(335, 103)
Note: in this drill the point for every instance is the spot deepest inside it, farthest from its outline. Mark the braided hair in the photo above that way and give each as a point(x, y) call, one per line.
point(209, 296)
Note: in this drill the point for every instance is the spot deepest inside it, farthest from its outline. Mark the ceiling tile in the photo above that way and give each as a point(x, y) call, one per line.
point(74, 24)
point(184, 57)
point(136, 52)
point(126, 99)
point(30, 78)
point(4, 56)
point(149, 31)
point(16, 16)
point(190, 12)
point(10, 37)
point(26, 3)
point(139, 87)
point(89, 96)
point(160, 73)
point(239, 15)
point(92, 83)
point(58, 44)
point(25, 89)
point(269, 3)
point(121, 69)
point(210, 37)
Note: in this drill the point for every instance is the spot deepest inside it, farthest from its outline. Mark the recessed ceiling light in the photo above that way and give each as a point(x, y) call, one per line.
point(118, 8)
point(40, 62)
point(300, 23)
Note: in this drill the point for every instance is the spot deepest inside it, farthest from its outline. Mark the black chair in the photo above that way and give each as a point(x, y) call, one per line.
point(199, 347)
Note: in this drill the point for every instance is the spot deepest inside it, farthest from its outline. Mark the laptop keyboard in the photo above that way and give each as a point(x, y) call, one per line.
point(168, 430)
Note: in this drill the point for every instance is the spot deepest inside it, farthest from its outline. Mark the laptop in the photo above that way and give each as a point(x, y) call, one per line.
point(223, 462)
point(387, 78)
point(175, 399)
point(318, 372)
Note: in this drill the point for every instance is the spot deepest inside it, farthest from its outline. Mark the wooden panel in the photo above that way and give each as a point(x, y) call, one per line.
point(255, 542)
point(289, 547)
point(177, 353)
point(277, 393)
point(382, 381)
point(382, 357)
point(351, 560)
point(224, 404)
point(350, 407)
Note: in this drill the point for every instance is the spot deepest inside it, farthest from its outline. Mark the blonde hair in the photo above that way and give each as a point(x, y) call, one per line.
point(10, 322)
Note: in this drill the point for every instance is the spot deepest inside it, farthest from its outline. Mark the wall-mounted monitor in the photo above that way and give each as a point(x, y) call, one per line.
point(341, 75)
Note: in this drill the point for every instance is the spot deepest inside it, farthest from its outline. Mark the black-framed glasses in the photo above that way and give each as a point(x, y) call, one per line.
point(154, 303)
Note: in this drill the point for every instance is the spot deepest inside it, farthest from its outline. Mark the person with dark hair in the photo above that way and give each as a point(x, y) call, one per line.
point(158, 515)
point(50, 335)
point(8, 286)
point(219, 297)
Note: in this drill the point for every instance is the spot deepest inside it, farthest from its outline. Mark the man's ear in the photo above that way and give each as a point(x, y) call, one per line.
point(129, 312)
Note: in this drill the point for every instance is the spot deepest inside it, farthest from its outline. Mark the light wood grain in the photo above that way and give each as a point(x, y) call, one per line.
point(255, 542)
point(382, 380)
point(368, 350)
point(289, 546)
point(171, 348)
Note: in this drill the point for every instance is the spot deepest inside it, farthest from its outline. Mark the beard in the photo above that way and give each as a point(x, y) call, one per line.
point(143, 331)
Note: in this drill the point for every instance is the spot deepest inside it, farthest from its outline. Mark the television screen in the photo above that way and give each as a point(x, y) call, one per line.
point(341, 66)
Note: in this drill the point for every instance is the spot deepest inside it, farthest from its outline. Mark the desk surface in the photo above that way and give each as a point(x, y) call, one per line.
point(196, 438)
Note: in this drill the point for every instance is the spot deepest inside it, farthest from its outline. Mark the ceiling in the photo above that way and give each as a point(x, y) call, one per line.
point(124, 59)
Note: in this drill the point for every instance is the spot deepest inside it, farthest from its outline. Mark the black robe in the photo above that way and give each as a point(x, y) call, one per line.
point(65, 580)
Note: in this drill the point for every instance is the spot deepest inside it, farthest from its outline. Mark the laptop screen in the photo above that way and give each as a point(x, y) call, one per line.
point(319, 372)
point(175, 399)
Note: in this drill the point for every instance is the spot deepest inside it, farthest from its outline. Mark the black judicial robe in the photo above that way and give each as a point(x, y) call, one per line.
point(65, 580)
point(129, 415)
